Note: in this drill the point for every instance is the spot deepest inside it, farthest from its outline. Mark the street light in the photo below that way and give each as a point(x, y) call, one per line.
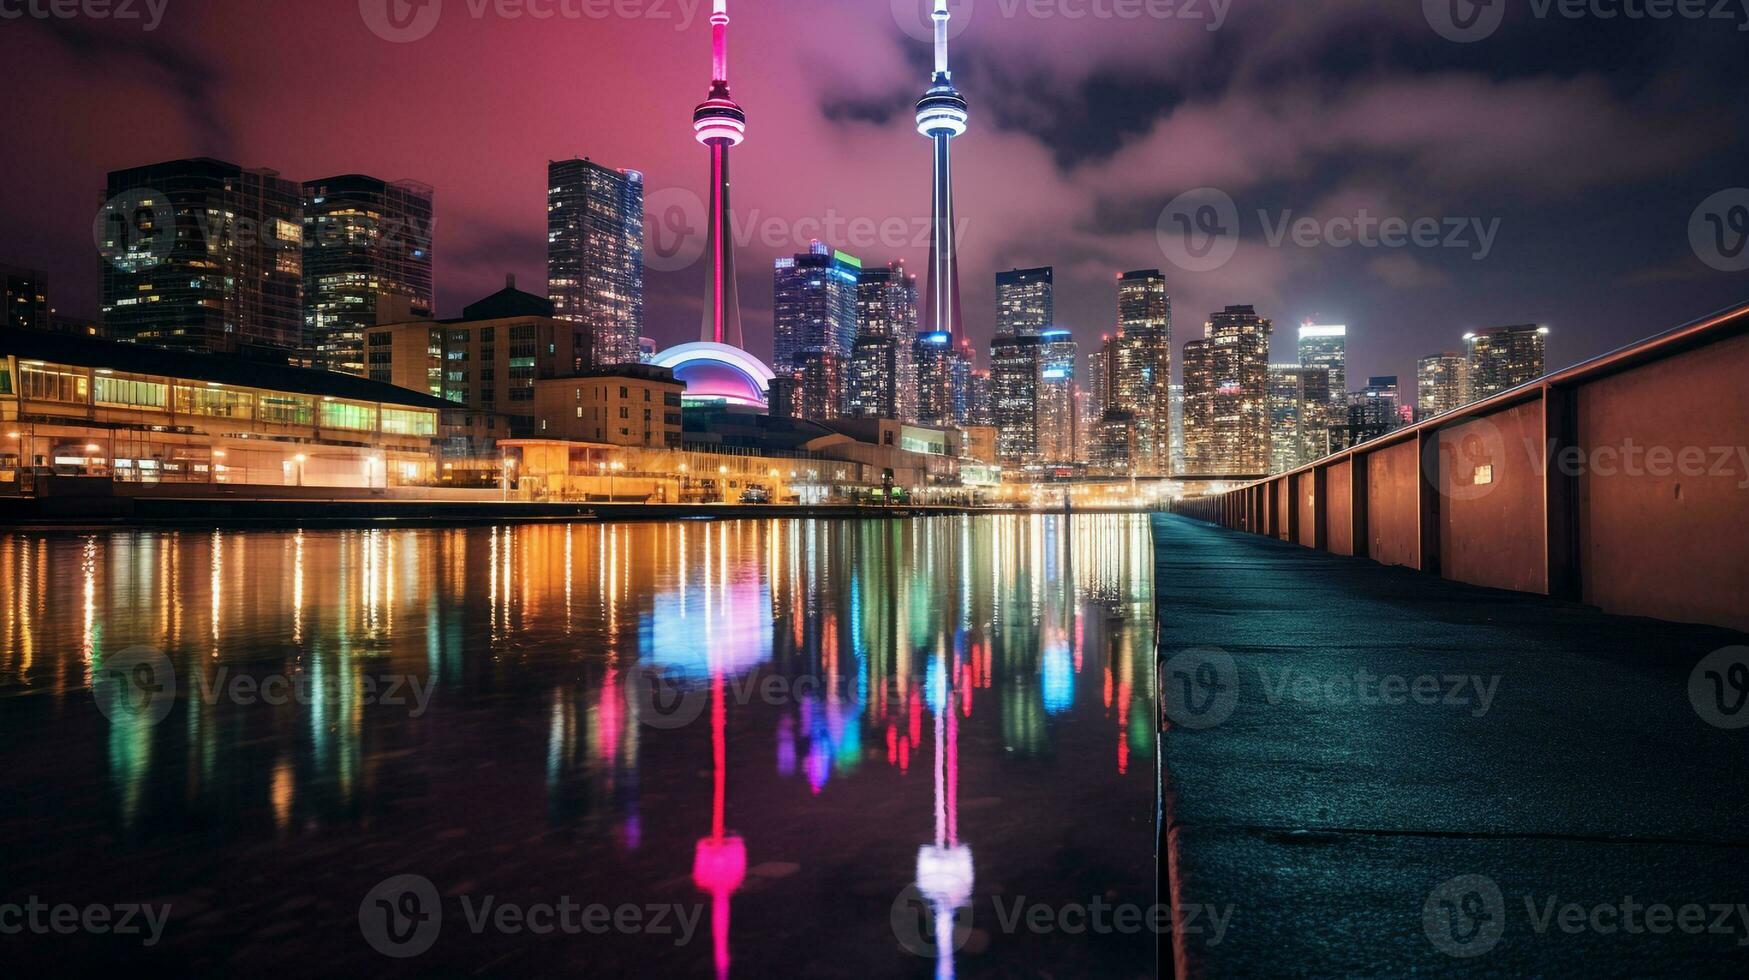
point(300, 459)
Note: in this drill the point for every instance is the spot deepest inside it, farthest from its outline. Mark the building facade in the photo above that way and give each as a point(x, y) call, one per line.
point(1016, 364)
point(1025, 306)
point(595, 254)
point(1502, 358)
point(624, 405)
point(814, 323)
point(1226, 395)
point(1299, 410)
point(203, 255)
point(1059, 422)
point(25, 294)
point(364, 239)
point(77, 408)
point(883, 369)
point(1326, 346)
point(1442, 383)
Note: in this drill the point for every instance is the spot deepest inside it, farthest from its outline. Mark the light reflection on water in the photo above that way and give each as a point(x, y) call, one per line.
point(764, 697)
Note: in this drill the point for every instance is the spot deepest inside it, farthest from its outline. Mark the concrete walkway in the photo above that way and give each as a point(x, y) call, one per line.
point(1378, 772)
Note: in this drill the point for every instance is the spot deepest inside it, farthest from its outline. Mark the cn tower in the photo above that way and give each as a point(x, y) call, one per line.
point(719, 123)
point(941, 115)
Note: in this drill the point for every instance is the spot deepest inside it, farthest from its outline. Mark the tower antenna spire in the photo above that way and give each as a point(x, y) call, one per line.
point(941, 367)
point(719, 123)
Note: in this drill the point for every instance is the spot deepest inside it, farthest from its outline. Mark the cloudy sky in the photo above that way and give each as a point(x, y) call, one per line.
point(1554, 166)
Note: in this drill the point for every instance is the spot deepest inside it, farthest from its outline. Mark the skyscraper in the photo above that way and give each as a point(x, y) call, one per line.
point(364, 239)
point(1441, 383)
point(1326, 346)
point(1016, 364)
point(1226, 394)
point(1299, 408)
point(1502, 358)
point(720, 123)
point(1024, 304)
point(204, 255)
point(1372, 412)
point(1058, 425)
point(814, 325)
point(1142, 301)
point(883, 372)
point(941, 115)
point(595, 254)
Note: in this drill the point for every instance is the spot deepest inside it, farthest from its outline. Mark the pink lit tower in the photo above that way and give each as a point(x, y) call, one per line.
point(719, 123)
point(941, 115)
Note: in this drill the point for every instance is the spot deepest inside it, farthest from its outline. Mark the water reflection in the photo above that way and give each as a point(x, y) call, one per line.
point(857, 675)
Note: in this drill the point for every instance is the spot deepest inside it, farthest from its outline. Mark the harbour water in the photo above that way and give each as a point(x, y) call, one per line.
point(750, 748)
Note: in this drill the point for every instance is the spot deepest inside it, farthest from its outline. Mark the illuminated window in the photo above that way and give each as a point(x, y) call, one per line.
point(135, 394)
point(53, 384)
point(216, 402)
point(348, 415)
point(286, 410)
point(5, 380)
point(409, 422)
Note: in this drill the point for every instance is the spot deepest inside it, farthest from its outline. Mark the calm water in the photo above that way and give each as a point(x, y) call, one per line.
point(757, 748)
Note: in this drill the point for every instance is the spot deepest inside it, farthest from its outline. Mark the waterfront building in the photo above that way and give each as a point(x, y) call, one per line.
point(622, 405)
point(25, 295)
point(74, 409)
point(875, 367)
point(1299, 410)
point(814, 314)
point(1226, 380)
point(980, 402)
point(1113, 449)
point(941, 116)
point(1138, 369)
point(203, 255)
point(1326, 346)
point(595, 254)
point(484, 363)
point(1502, 358)
point(1441, 383)
point(1024, 304)
point(365, 239)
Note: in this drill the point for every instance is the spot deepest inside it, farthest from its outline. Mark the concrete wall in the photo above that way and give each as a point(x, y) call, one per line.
point(1339, 514)
point(1662, 542)
point(1622, 482)
point(1491, 488)
point(1393, 483)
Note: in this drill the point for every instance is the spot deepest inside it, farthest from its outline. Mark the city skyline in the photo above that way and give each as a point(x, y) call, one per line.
point(488, 226)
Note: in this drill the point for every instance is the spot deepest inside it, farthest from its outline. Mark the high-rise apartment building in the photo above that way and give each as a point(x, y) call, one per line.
point(1025, 306)
point(1299, 409)
point(1441, 384)
point(1015, 366)
point(1142, 301)
point(883, 370)
point(1226, 395)
point(595, 254)
point(814, 318)
point(1326, 346)
point(1058, 415)
point(1502, 358)
point(203, 255)
point(364, 239)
